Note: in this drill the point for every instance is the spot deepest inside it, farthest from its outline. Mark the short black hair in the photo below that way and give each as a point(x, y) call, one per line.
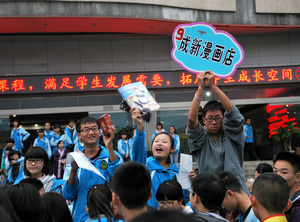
point(8, 148)
point(292, 158)
point(55, 208)
point(56, 126)
point(169, 190)
point(230, 181)
point(213, 105)
point(210, 189)
point(41, 130)
point(271, 191)
point(10, 140)
point(33, 181)
point(98, 201)
point(40, 153)
point(264, 168)
point(13, 152)
point(84, 120)
point(174, 129)
point(132, 183)
point(159, 124)
point(26, 201)
point(18, 121)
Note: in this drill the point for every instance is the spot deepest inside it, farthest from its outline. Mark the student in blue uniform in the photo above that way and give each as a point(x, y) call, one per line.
point(174, 155)
point(162, 144)
point(56, 138)
point(43, 142)
point(71, 136)
point(4, 161)
point(79, 146)
point(48, 132)
point(19, 135)
point(15, 166)
point(159, 129)
point(124, 146)
point(37, 166)
point(104, 159)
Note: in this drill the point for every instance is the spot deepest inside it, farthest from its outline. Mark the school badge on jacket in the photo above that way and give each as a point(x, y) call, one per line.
point(104, 165)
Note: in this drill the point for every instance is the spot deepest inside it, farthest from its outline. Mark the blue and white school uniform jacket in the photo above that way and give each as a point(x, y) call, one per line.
point(9, 168)
point(45, 144)
point(85, 180)
point(50, 183)
point(49, 134)
point(248, 132)
point(79, 147)
point(70, 141)
point(19, 135)
point(159, 174)
point(176, 143)
point(155, 133)
point(122, 147)
point(54, 141)
point(3, 157)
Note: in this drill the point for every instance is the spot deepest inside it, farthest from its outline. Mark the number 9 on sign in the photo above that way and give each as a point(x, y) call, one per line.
point(180, 33)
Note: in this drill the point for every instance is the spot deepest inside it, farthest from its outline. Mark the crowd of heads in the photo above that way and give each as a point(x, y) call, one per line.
point(131, 187)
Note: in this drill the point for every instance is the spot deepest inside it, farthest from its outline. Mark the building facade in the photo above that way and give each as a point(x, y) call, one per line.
point(62, 60)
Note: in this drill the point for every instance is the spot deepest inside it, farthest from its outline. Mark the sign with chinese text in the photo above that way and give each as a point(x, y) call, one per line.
point(199, 47)
point(10, 85)
point(137, 95)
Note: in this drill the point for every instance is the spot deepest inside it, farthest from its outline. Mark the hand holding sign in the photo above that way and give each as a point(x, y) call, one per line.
point(199, 46)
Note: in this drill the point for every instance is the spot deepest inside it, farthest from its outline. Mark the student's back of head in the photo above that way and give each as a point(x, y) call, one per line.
point(230, 181)
point(271, 191)
point(99, 202)
point(132, 183)
point(210, 189)
point(36, 183)
point(26, 201)
point(55, 208)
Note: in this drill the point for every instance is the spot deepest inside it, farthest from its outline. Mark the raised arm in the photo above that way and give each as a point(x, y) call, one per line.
point(226, 102)
point(138, 149)
point(193, 113)
point(108, 143)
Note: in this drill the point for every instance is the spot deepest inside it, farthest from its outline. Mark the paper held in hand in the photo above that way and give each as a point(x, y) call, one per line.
point(186, 165)
point(82, 162)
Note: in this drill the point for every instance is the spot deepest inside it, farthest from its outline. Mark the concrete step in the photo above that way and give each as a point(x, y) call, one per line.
point(250, 166)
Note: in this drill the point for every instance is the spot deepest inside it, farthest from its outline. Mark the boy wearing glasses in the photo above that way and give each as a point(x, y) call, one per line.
point(104, 159)
point(221, 146)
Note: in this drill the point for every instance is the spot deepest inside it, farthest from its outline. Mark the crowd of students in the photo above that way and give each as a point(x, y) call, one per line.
point(133, 187)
